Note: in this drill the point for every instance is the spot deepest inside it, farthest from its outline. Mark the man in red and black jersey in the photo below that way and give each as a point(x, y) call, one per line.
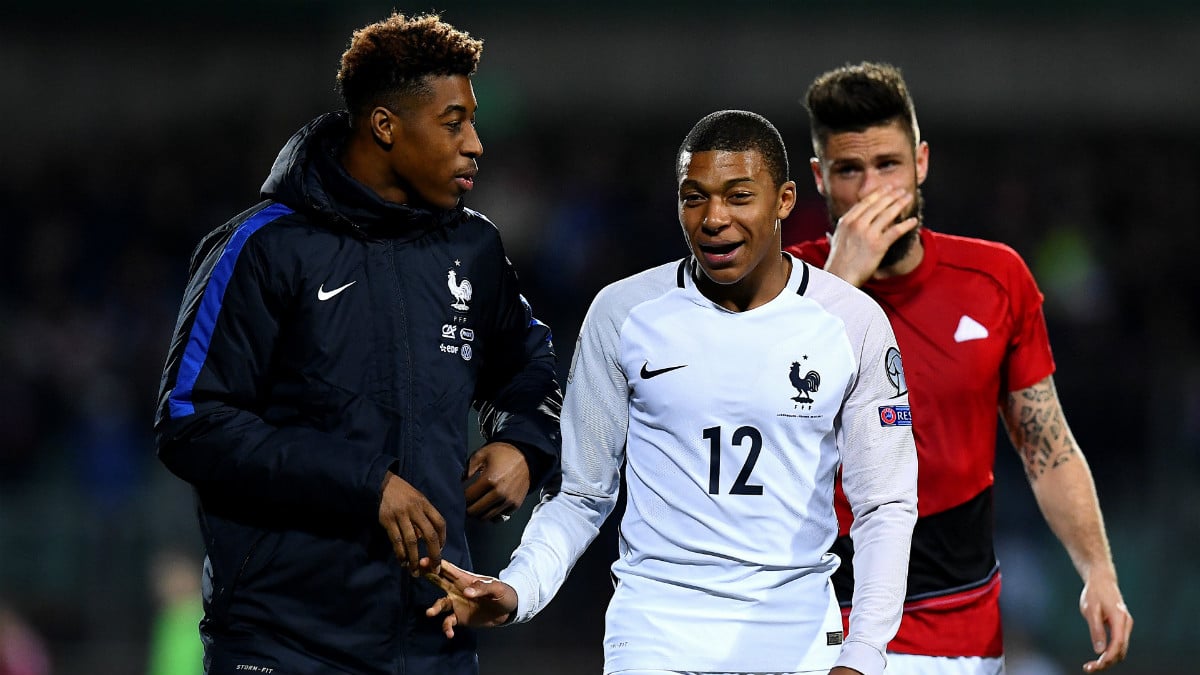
point(968, 318)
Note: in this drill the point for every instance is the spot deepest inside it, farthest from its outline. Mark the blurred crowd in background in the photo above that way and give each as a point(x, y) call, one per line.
point(1069, 131)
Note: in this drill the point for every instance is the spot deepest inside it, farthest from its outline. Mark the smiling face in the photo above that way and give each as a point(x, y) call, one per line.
point(730, 208)
point(432, 146)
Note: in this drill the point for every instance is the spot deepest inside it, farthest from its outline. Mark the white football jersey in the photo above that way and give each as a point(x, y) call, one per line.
point(731, 426)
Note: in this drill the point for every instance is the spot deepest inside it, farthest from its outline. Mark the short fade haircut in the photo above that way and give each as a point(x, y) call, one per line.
point(737, 131)
point(391, 60)
point(855, 98)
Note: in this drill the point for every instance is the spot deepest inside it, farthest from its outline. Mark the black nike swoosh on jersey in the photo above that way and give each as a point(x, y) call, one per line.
point(647, 373)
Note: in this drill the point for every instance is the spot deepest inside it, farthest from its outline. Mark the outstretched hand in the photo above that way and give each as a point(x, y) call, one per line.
point(471, 599)
point(1108, 619)
point(497, 481)
point(409, 518)
point(866, 231)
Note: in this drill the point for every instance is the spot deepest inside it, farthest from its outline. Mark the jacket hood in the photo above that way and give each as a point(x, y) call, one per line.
point(309, 177)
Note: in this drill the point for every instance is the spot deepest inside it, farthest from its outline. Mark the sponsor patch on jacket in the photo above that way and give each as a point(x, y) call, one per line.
point(895, 416)
point(833, 637)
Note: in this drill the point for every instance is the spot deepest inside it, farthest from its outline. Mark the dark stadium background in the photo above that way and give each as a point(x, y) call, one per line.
point(1070, 130)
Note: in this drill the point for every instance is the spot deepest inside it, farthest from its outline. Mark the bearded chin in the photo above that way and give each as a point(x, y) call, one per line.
point(900, 248)
point(904, 244)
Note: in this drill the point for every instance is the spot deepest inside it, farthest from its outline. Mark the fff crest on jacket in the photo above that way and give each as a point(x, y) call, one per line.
point(460, 290)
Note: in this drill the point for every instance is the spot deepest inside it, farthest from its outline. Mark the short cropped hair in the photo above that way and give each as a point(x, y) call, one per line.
point(855, 98)
point(737, 131)
point(391, 60)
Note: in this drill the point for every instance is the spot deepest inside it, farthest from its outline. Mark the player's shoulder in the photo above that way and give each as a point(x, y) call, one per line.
point(831, 290)
point(973, 252)
point(479, 224)
point(265, 216)
point(994, 264)
point(620, 297)
point(259, 227)
point(849, 306)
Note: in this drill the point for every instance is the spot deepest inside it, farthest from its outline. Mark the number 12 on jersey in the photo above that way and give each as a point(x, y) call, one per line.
point(740, 435)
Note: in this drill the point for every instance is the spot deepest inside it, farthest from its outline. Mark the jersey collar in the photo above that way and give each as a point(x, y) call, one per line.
point(797, 282)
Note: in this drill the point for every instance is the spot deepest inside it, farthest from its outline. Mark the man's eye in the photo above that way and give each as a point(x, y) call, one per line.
point(846, 171)
point(690, 198)
point(454, 126)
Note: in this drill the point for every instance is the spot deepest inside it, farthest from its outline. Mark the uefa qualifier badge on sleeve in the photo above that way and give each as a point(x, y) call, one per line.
point(895, 416)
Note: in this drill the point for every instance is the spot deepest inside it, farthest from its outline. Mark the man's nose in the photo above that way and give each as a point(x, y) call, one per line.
point(714, 221)
point(472, 147)
point(871, 182)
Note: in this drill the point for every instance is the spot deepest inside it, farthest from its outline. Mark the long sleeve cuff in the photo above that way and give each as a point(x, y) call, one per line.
point(862, 657)
point(526, 589)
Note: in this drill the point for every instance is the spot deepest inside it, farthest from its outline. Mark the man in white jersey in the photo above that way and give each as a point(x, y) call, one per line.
point(731, 384)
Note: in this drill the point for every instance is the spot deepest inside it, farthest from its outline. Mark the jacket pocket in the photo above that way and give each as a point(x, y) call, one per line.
point(235, 552)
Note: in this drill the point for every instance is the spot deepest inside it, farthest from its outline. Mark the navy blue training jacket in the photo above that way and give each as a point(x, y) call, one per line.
point(326, 336)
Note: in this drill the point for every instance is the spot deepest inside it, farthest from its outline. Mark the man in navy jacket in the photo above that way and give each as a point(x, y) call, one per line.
point(331, 342)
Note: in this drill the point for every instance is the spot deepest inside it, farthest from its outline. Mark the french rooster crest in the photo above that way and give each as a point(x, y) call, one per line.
point(461, 290)
point(804, 385)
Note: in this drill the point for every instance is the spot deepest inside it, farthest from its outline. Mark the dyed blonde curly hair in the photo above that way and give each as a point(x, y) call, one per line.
point(389, 61)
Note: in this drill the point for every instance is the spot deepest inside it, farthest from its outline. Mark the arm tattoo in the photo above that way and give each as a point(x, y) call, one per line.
point(1035, 423)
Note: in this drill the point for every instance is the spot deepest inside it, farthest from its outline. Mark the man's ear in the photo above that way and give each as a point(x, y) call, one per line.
point(787, 199)
point(815, 165)
point(384, 126)
point(922, 162)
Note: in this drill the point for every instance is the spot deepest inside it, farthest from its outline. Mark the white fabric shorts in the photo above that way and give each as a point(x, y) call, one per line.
point(911, 664)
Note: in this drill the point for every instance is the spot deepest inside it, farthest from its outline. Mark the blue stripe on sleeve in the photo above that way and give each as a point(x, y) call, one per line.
point(200, 339)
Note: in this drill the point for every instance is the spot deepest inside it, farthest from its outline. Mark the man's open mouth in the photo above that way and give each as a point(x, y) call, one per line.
point(720, 249)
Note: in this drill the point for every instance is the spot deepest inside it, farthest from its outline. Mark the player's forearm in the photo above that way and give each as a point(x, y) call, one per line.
point(882, 541)
point(1059, 475)
point(1067, 497)
point(561, 529)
